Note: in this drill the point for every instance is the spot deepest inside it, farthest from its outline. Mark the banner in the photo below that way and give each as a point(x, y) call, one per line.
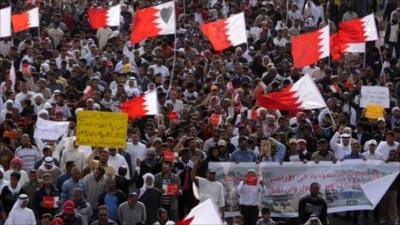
point(101, 129)
point(374, 95)
point(348, 185)
point(50, 130)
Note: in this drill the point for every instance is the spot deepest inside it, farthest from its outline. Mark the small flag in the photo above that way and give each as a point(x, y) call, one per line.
point(145, 105)
point(226, 33)
point(101, 17)
point(26, 20)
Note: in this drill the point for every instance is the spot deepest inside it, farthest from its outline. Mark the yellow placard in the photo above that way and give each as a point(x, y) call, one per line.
point(102, 129)
point(374, 111)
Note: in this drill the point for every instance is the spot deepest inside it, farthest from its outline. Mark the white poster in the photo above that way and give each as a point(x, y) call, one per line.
point(374, 95)
point(50, 130)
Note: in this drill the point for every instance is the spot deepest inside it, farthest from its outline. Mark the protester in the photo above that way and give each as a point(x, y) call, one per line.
point(209, 103)
point(313, 204)
point(20, 213)
point(132, 211)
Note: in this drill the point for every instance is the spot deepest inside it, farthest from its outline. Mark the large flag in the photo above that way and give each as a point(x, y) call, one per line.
point(153, 21)
point(205, 213)
point(227, 32)
point(25, 20)
point(310, 47)
point(358, 30)
point(5, 21)
point(100, 17)
point(145, 105)
point(301, 95)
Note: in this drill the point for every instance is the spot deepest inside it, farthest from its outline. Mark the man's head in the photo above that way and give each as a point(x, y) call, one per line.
point(243, 143)
point(238, 220)
point(266, 213)
point(77, 194)
point(14, 179)
point(23, 198)
point(104, 155)
point(33, 175)
point(75, 173)
point(390, 137)
point(133, 198)
point(345, 139)
point(47, 179)
point(111, 185)
point(99, 173)
point(46, 219)
point(314, 189)
point(166, 167)
point(103, 213)
point(69, 207)
point(211, 174)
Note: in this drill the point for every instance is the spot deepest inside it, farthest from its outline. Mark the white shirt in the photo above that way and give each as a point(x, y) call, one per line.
point(384, 148)
point(118, 161)
point(338, 148)
point(376, 156)
point(178, 105)
point(20, 97)
point(163, 70)
point(137, 151)
point(213, 190)
point(249, 194)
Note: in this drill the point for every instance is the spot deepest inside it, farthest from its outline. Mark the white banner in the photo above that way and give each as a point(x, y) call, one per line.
point(374, 95)
point(50, 130)
point(348, 185)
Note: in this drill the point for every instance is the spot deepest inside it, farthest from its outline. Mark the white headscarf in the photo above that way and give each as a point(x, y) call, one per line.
point(19, 215)
point(145, 186)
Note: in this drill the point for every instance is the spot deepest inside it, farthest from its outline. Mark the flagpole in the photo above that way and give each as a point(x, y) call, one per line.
point(173, 65)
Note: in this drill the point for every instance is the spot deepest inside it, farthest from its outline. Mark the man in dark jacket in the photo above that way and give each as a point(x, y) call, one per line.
point(68, 214)
point(313, 204)
point(43, 197)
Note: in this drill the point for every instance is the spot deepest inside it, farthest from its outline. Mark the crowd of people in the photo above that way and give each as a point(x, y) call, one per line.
point(65, 67)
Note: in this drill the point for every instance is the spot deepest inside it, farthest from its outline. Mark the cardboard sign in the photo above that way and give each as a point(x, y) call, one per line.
point(173, 116)
point(169, 156)
point(374, 111)
point(252, 180)
point(171, 189)
point(50, 130)
point(102, 129)
point(50, 202)
point(374, 95)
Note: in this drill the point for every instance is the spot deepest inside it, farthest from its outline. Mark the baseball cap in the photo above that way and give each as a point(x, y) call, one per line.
point(381, 119)
point(292, 141)
point(211, 170)
point(301, 141)
point(69, 207)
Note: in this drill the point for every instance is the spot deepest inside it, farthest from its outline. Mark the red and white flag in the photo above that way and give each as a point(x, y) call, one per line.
point(88, 92)
point(26, 20)
point(101, 17)
point(310, 47)
point(216, 119)
point(5, 21)
point(340, 47)
point(227, 32)
point(153, 21)
point(252, 114)
point(358, 30)
point(12, 76)
point(302, 95)
point(205, 213)
point(145, 105)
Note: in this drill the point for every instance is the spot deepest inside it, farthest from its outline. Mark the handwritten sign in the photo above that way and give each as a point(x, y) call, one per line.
point(374, 95)
point(102, 129)
point(374, 111)
point(348, 185)
point(50, 130)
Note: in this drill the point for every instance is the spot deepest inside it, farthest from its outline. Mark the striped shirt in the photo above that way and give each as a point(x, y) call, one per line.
point(29, 157)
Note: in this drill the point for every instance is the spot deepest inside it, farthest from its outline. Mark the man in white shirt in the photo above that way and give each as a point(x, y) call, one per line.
point(208, 188)
point(136, 150)
point(24, 94)
point(160, 68)
point(385, 147)
point(116, 160)
point(177, 103)
point(249, 190)
point(341, 148)
point(370, 153)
